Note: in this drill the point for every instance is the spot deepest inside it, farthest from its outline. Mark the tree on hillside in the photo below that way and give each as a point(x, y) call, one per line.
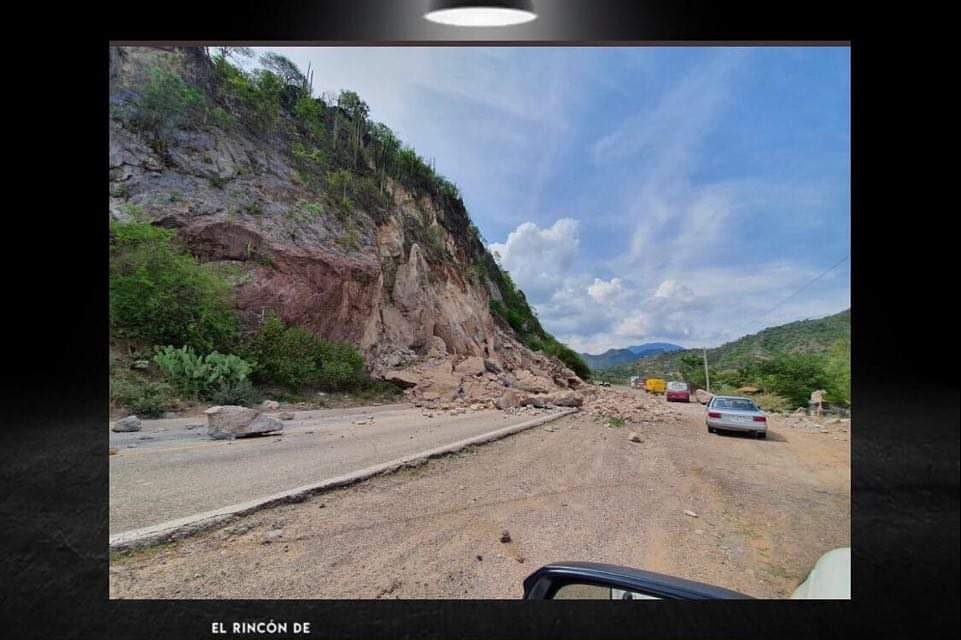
point(794, 376)
point(838, 369)
point(233, 52)
point(286, 70)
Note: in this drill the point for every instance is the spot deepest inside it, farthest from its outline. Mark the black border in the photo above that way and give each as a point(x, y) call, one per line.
point(906, 394)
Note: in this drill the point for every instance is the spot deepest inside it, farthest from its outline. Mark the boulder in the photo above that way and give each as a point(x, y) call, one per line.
point(270, 405)
point(703, 396)
point(404, 379)
point(491, 366)
point(511, 399)
point(229, 421)
point(130, 423)
point(470, 366)
point(527, 381)
point(540, 401)
point(565, 399)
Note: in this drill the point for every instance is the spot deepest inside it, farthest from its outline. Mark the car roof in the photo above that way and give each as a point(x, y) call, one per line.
point(732, 398)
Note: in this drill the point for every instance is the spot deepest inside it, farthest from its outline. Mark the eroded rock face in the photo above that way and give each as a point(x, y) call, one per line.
point(373, 278)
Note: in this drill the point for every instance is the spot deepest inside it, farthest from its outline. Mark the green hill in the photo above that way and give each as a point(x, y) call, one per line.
point(815, 350)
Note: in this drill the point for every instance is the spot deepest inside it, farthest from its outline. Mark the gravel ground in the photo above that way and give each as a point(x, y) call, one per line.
point(574, 490)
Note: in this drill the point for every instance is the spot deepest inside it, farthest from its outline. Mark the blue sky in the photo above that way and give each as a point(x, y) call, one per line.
point(635, 194)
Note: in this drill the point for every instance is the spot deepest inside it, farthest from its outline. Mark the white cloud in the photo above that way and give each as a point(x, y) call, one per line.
point(604, 292)
point(538, 259)
point(673, 290)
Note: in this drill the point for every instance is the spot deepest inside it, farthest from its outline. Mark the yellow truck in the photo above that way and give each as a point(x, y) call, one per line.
point(655, 385)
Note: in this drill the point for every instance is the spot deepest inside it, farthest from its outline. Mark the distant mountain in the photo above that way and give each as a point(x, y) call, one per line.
point(617, 357)
point(805, 336)
point(653, 347)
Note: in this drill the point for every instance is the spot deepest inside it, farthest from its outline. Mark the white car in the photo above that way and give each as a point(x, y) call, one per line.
point(735, 413)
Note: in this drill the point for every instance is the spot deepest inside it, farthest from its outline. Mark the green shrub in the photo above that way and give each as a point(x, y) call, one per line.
point(772, 402)
point(142, 398)
point(295, 358)
point(312, 159)
point(342, 367)
point(160, 294)
point(310, 112)
point(838, 369)
point(240, 392)
point(166, 102)
point(286, 356)
point(794, 376)
point(201, 376)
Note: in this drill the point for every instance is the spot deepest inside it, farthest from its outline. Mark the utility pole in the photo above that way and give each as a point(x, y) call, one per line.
point(707, 376)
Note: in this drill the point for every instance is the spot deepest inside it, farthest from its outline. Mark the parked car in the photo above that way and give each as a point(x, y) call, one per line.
point(830, 579)
point(678, 391)
point(735, 413)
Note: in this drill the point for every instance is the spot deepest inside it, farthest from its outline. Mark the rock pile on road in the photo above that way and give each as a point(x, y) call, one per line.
point(632, 407)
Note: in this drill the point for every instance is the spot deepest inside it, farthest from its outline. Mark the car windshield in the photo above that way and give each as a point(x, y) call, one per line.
point(735, 404)
point(677, 386)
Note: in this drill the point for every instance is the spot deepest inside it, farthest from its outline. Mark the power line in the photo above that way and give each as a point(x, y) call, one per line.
point(803, 287)
point(829, 270)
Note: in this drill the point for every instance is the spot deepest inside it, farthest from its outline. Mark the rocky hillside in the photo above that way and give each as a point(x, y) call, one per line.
point(321, 216)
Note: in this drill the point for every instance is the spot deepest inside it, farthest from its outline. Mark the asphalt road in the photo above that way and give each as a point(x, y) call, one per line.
point(169, 470)
point(577, 489)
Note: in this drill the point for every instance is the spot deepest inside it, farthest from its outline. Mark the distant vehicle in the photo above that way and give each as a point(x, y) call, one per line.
point(735, 413)
point(655, 385)
point(603, 383)
point(830, 579)
point(678, 391)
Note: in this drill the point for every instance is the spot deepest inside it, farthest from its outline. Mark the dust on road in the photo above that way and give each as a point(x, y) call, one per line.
point(574, 490)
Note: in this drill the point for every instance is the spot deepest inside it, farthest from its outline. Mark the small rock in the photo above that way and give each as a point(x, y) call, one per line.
point(549, 429)
point(505, 536)
point(130, 423)
point(272, 536)
point(634, 437)
point(480, 557)
point(191, 427)
point(688, 512)
point(113, 451)
point(286, 415)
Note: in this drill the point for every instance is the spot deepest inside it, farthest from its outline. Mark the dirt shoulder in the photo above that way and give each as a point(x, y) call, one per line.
point(574, 490)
